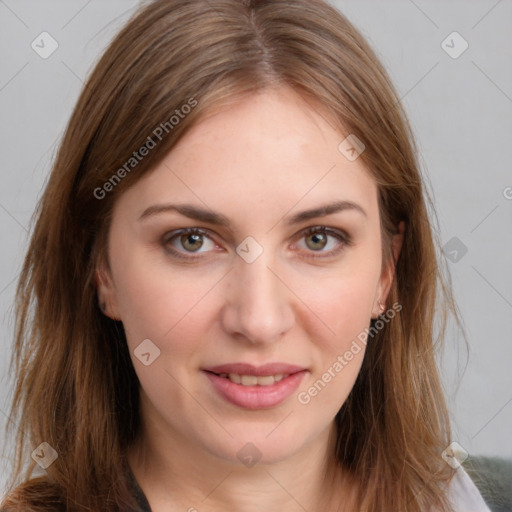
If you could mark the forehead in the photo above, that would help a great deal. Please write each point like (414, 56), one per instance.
(258, 158)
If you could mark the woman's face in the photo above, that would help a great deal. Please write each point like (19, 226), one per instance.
(253, 286)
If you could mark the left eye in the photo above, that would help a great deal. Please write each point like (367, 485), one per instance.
(317, 239)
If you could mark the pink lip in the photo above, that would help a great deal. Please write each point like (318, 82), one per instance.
(249, 369)
(255, 397)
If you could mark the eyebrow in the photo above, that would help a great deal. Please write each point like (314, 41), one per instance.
(204, 215)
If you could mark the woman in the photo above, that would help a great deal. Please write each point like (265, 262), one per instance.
(228, 298)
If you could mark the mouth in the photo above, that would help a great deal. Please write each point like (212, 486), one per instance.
(255, 388)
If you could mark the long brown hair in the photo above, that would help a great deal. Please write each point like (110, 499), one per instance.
(75, 386)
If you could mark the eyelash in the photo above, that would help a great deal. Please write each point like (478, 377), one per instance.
(343, 237)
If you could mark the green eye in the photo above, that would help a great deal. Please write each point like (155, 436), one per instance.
(190, 241)
(317, 239)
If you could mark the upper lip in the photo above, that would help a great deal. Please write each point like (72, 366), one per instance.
(249, 369)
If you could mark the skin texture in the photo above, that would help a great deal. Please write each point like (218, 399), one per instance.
(257, 162)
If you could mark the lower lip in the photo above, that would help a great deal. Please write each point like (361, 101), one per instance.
(256, 397)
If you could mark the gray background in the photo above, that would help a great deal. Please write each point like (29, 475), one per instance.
(461, 112)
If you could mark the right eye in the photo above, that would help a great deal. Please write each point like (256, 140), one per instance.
(189, 240)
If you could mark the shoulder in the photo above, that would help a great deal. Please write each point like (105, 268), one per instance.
(464, 495)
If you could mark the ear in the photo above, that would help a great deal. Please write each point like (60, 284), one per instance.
(388, 273)
(106, 292)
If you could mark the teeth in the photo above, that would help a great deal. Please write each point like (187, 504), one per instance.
(233, 377)
(253, 380)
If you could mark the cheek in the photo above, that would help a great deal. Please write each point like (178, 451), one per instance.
(348, 305)
(158, 304)
(337, 322)
(343, 314)
(341, 303)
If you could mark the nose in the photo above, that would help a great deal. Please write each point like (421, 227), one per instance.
(258, 305)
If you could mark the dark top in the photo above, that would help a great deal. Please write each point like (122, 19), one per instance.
(142, 502)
